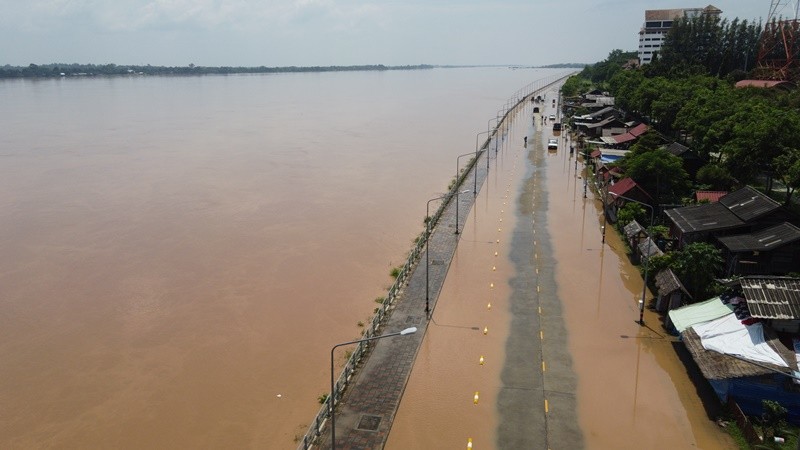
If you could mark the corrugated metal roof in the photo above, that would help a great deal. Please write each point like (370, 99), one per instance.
(632, 134)
(632, 229)
(639, 130)
(622, 186)
(677, 149)
(601, 112)
(732, 210)
(648, 248)
(706, 217)
(748, 203)
(772, 297)
(711, 196)
(763, 83)
(667, 282)
(602, 123)
(762, 240)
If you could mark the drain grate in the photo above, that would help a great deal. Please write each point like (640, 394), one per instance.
(437, 262)
(369, 423)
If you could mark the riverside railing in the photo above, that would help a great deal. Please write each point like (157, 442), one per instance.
(315, 428)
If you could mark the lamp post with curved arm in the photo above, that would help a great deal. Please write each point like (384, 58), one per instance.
(463, 192)
(646, 267)
(489, 137)
(475, 188)
(428, 252)
(332, 399)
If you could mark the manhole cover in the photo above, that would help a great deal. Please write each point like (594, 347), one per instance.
(369, 423)
(413, 320)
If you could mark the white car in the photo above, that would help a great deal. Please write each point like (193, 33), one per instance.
(552, 144)
(552, 117)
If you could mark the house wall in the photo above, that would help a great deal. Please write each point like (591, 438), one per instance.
(748, 392)
(780, 261)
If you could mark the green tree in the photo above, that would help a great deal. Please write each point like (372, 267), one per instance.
(603, 71)
(715, 177)
(760, 131)
(707, 44)
(697, 265)
(631, 211)
(787, 168)
(574, 86)
(647, 142)
(660, 173)
(773, 418)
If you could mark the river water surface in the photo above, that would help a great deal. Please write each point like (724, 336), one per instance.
(178, 255)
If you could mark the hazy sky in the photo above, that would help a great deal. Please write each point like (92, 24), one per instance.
(329, 32)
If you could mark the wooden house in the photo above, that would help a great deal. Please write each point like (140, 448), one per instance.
(741, 211)
(671, 292)
(769, 251)
(691, 160)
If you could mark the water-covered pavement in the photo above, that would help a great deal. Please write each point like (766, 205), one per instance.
(564, 364)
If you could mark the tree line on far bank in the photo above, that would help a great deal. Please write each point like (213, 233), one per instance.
(57, 70)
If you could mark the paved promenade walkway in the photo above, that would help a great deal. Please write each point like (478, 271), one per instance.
(364, 415)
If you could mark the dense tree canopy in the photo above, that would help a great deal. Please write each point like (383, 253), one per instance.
(742, 130)
(661, 174)
(707, 45)
(698, 264)
(604, 70)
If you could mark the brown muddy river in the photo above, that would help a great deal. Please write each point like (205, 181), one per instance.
(178, 255)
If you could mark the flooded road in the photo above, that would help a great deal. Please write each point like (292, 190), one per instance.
(633, 390)
(462, 352)
(625, 383)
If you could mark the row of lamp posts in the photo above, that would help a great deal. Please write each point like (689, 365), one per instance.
(408, 331)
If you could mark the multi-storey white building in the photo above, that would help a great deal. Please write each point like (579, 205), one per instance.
(657, 23)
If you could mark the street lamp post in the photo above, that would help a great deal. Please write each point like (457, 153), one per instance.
(495, 140)
(332, 399)
(463, 192)
(475, 188)
(428, 252)
(489, 122)
(646, 267)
